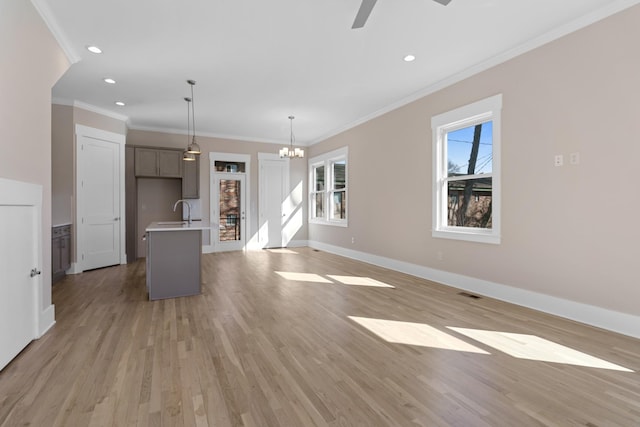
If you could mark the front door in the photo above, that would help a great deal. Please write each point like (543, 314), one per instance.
(99, 201)
(230, 208)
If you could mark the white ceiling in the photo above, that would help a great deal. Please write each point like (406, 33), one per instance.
(257, 62)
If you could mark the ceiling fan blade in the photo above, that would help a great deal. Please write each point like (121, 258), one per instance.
(363, 13)
(443, 2)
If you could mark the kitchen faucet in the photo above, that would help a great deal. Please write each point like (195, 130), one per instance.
(188, 209)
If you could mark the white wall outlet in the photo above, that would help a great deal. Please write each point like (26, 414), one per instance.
(574, 158)
(353, 240)
(439, 256)
(558, 160)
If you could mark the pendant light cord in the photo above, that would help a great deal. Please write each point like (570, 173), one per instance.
(193, 113)
(188, 120)
(291, 127)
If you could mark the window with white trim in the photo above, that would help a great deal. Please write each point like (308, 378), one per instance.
(328, 188)
(466, 172)
(317, 191)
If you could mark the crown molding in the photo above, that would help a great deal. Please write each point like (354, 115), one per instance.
(47, 16)
(239, 138)
(92, 108)
(571, 27)
(102, 111)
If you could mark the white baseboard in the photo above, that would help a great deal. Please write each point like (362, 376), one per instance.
(46, 320)
(298, 244)
(74, 269)
(615, 321)
(208, 249)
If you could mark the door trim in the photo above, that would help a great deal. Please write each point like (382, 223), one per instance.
(213, 196)
(78, 233)
(233, 245)
(262, 239)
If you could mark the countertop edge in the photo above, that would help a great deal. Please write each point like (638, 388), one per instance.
(159, 226)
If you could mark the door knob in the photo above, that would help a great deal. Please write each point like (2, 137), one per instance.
(35, 272)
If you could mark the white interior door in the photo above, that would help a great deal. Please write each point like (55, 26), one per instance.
(19, 247)
(274, 184)
(230, 210)
(100, 200)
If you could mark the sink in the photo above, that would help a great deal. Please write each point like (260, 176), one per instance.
(172, 222)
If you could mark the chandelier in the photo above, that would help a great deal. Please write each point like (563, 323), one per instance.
(290, 151)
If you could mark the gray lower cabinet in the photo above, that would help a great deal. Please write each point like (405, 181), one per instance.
(60, 251)
(154, 162)
(173, 263)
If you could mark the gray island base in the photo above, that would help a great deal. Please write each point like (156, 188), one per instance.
(173, 265)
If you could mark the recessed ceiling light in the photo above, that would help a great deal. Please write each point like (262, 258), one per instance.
(409, 58)
(120, 103)
(94, 49)
(110, 81)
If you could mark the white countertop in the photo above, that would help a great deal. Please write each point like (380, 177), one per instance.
(178, 226)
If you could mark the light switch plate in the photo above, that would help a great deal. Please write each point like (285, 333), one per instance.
(574, 158)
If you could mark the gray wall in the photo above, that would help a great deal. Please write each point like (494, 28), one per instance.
(63, 160)
(297, 177)
(156, 197)
(32, 62)
(567, 231)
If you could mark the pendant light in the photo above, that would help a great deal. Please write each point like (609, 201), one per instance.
(193, 148)
(186, 155)
(290, 151)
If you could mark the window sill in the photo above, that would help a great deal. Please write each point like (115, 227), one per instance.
(469, 235)
(332, 223)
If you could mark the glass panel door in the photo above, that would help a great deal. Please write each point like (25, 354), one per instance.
(230, 189)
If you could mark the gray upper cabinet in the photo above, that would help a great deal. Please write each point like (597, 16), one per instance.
(146, 162)
(170, 163)
(153, 162)
(190, 179)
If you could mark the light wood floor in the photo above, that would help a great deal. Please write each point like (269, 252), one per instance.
(262, 348)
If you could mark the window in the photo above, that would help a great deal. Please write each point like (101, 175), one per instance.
(328, 188)
(466, 165)
(338, 191)
(317, 192)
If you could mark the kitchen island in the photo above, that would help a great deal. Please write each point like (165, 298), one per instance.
(174, 249)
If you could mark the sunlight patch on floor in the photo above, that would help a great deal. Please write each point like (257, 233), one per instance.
(303, 277)
(414, 334)
(282, 251)
(533, 347)
(359, 281)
